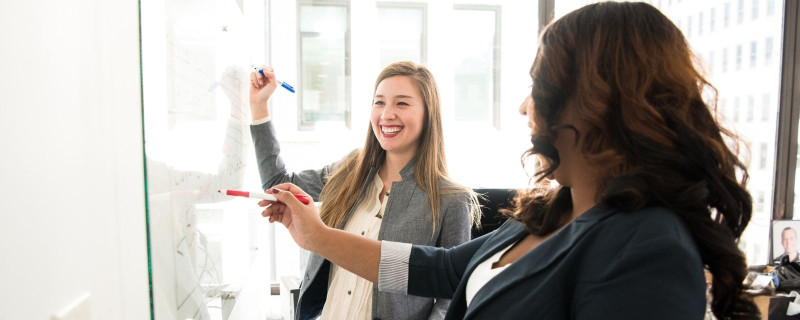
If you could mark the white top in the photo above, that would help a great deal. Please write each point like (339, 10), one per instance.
(350, 296)
(261, 121)
(483, 273)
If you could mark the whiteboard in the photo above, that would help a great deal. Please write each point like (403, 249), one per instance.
(195, 58)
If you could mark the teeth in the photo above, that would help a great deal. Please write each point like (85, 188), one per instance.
(390, 129)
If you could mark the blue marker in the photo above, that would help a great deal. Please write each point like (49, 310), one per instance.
(283, 84)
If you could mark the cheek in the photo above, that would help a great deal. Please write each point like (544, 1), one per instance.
(374, 117)
(419, 122)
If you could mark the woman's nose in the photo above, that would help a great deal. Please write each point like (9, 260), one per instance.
(523, 108)
(388, 113)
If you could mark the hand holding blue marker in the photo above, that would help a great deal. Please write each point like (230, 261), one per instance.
(283, 84)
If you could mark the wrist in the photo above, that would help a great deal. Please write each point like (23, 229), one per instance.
(320, 238)
(258, 110)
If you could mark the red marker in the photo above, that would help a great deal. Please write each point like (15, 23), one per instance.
(259, 195)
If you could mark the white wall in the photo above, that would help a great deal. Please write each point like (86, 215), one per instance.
(72, 209)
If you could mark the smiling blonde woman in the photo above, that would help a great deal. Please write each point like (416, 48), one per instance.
(395, 188)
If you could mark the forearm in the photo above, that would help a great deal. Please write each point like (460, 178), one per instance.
(258, 110)
(354, 253)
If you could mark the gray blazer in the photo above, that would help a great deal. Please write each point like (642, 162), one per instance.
(407, 218)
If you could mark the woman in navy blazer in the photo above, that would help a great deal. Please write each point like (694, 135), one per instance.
(647, 195)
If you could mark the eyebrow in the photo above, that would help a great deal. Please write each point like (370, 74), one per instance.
(396, 97)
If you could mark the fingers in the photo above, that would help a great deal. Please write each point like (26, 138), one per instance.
(274, 209)
(264, 203)
(254, 80)
(262, 76)
(286, 192)
(290, 188)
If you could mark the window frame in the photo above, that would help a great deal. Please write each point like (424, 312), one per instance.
(788, 116)
(308, 126)
(423, 6)
(496, 67)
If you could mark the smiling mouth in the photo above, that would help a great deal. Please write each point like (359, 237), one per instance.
(390, 131)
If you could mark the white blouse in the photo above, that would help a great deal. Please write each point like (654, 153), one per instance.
(350, 296)
(483, 273)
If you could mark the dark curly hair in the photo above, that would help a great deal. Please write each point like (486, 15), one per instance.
(628, 74)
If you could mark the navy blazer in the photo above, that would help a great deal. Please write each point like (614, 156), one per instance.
(605, 264)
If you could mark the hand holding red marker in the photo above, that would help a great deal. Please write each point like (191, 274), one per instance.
(260, 195)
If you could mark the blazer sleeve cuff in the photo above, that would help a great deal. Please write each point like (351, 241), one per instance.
(261, 121)
(393, 269)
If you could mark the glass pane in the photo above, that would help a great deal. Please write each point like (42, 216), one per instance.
(401, 34)
(323, 43)
(739, 82)
(194, 79)
(474, 54)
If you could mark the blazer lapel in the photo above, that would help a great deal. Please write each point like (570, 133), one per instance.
(510, 232)
(371, 175)
(538, 259)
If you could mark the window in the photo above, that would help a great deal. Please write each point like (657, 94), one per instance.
(700, 24)
(762, 159)
(770, 7)
(740, 13)
(755, 9)
(751, 108)
(765, 108)
(725, 60)
(768, 51)
(324, 61)
(402, 33)
(739, 57)
(711, 62)
(759, 207)
(689, 27)
(753, 53)
(712, 18)
(476, 55)
(727, 14)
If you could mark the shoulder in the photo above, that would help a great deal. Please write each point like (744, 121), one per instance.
(650, 238)
(650, 228)
(650, 221)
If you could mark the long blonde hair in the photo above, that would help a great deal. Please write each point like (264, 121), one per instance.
(344, 185)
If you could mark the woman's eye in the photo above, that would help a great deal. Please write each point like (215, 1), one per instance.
(379, 103)
(402, 104)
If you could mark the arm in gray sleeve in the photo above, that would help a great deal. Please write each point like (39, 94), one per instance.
(426, 271)
(455, 230)
(272, 169)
